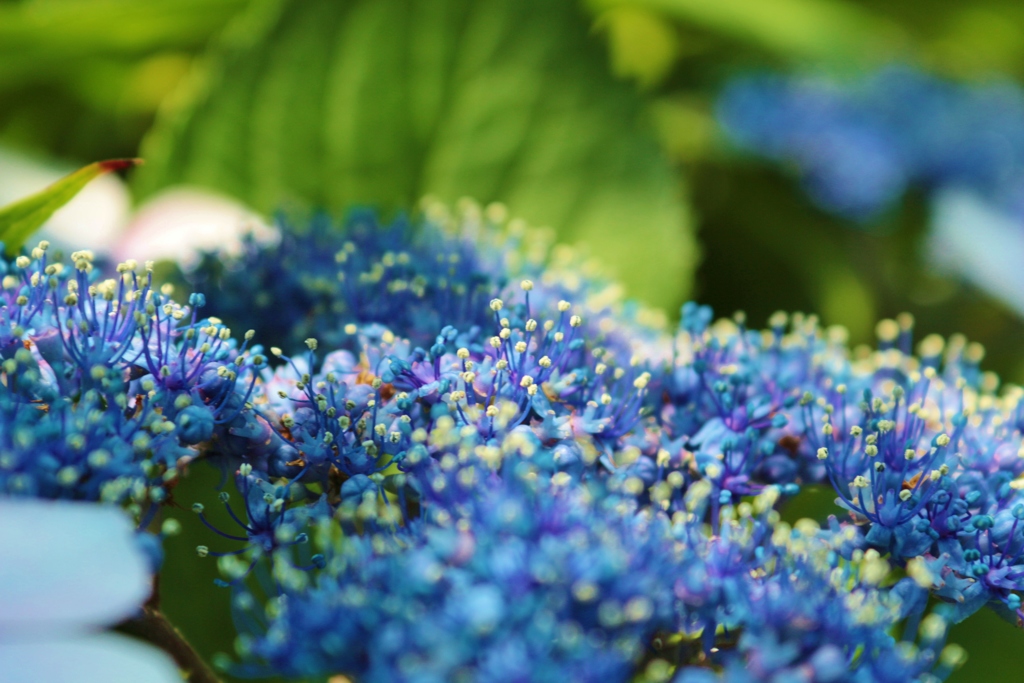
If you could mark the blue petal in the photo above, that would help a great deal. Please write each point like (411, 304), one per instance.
(67, 565)
(98, 658)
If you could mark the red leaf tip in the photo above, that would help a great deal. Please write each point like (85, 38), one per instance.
(118, 164)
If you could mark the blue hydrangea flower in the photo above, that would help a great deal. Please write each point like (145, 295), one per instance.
(789, 607)
(523, 479)
(530, 582)
(394, 445)
(109, 384)
(917, 448)
(366, 272)
(858, 144)
(415, 276)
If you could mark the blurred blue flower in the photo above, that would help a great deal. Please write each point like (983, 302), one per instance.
(414, 275)
(859, 144)
(67, 571)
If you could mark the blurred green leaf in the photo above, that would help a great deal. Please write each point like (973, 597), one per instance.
(644, 45)
(42, 34)
(830, 31)
(381, 102)
(19, 220)
(978, 39)
(83, 78)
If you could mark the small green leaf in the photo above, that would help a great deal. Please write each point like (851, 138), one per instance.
(19, 220)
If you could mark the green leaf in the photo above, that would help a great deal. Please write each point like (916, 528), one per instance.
(19, 220)
(384, 101)
(832, 31)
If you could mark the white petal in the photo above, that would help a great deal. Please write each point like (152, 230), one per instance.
(977, 241)
(97, 658)
(67, 565)
(180, 222)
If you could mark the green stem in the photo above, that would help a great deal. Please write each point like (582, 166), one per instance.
(153, 627)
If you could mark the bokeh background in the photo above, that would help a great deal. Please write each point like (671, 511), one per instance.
(600, 118)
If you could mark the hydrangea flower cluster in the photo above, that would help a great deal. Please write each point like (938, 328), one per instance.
(110, 386)
(525, 581)
(921, 452)
(481, 466)
(311, 283)
(859, 145)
